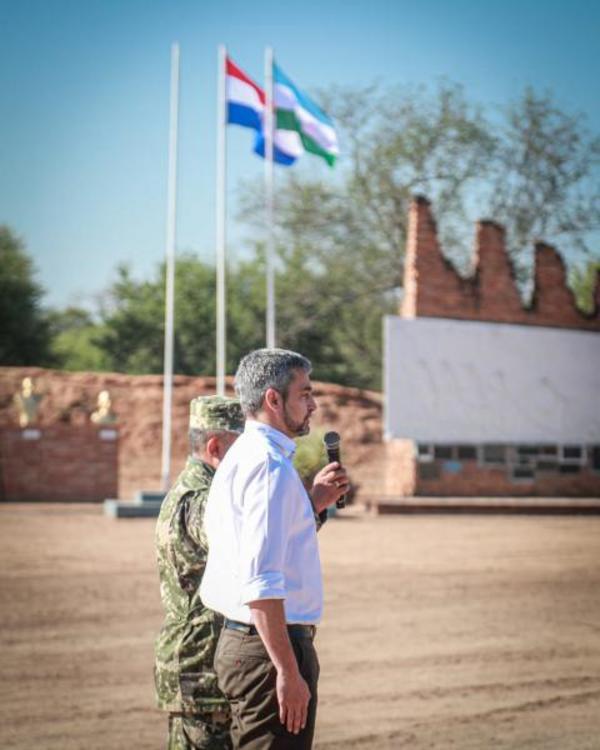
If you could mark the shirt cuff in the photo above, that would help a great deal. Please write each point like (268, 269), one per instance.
(266, 586)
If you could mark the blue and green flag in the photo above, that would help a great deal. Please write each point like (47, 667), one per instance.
(300, 124)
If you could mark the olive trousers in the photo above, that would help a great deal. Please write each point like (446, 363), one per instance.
(246, 676)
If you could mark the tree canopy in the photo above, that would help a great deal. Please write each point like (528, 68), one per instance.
(75, 340)
(25, 338)
(546, 181)
(531, 167)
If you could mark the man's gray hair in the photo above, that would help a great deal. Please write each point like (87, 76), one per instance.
(263, 369)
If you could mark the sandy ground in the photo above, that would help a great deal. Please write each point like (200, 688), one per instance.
(457, 632)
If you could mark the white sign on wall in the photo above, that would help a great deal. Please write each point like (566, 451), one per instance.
(474, 382)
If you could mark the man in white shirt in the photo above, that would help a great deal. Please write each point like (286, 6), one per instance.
(263, 571)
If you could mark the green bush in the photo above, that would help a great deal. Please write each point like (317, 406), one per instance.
(310, 456)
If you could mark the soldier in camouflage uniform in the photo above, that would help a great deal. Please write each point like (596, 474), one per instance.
(186, 684)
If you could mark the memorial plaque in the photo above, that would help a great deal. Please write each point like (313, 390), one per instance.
(31, 434)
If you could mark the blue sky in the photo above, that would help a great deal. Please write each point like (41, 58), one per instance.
(84, 104)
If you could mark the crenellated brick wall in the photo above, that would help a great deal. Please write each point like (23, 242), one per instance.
(433, 288)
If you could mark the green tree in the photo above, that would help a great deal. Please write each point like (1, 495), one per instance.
(246, 308)
(75, 337)
(25, 336)
(584, 282)
(132, 335)
(546, 180)
(132, 325)
(195, 317)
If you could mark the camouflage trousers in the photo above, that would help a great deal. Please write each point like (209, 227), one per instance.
(208, 731)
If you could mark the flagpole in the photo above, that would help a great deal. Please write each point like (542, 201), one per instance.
(269, 130)
(170, 269)
(221, 226)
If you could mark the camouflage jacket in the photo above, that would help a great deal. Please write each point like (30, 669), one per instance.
(184, 649)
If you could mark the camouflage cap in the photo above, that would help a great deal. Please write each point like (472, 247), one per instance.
(216, 413)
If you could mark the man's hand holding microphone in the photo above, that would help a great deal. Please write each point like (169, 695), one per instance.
(331, 483)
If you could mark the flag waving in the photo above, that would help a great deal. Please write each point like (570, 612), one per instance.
(246, 107)
(290, 125)
(299, 115)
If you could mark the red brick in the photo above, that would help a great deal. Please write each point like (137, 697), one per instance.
(433, 288)
(67, 463)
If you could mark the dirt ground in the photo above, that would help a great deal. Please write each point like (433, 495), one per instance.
(440, 632)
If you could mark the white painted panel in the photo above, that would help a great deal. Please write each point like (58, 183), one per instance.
(462, 381)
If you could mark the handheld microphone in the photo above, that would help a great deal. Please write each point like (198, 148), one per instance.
(332, 446)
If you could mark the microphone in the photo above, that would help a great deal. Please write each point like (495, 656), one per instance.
(332, 446)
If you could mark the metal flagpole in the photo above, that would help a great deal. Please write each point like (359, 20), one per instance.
(170, 270)
(269, 130)
(221, 214)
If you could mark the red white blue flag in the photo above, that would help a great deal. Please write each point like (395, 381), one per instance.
(246, 107)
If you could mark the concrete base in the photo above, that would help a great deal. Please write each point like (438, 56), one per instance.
(144, 505)
(144, 496)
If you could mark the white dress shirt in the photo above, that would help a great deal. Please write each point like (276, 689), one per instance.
(261, 531)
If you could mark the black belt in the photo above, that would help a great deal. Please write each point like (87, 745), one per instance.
(295, 631)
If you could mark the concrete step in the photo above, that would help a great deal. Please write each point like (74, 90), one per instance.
(143, 496)
(132, 509)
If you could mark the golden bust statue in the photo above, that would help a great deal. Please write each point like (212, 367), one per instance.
(27, 402)
(104, 413)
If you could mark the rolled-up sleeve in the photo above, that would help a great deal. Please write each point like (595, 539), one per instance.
(264, 533)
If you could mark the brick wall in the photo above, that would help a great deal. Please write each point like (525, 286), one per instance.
(401, 468)
(407, 476)
(432, 287)
(69, 398)
(480, 481)
(484, 481)
(59, 463)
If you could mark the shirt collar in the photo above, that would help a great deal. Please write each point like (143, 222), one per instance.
(283, 442)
